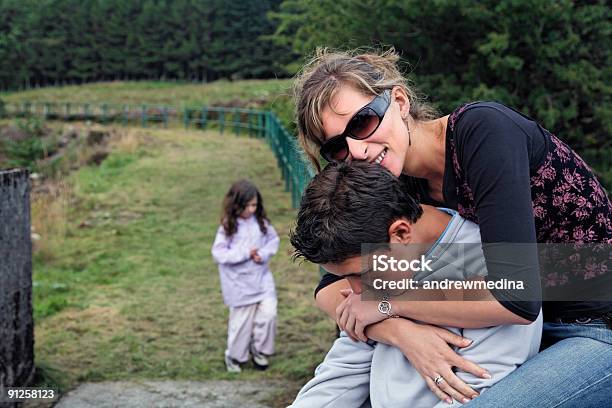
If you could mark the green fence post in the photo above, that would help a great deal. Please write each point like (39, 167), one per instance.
(126, 115)
(104, 113)
(143, 116)
(86, 111)
(67, 110)
(203, 118)
(221, 120)
(165, 116)
(236, 117)
(250, 123)
(186, 115)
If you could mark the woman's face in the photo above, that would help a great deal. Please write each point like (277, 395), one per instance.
(389, 141)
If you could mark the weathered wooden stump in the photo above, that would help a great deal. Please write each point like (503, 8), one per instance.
(16, 321)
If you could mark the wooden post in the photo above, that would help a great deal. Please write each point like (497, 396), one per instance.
(16, 321)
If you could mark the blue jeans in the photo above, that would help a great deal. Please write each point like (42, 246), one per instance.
(575, 370)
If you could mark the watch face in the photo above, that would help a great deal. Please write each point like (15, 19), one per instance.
(384, 307)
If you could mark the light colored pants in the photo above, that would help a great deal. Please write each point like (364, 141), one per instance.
(355, 374)
(251, 328)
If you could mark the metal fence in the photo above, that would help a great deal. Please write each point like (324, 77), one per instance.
(294, 167)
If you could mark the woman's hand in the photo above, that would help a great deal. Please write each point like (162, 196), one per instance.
(427, 348)
(353, 315)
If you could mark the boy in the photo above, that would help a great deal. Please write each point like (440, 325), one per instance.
(347, 205)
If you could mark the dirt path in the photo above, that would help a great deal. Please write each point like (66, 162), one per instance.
(206, 394)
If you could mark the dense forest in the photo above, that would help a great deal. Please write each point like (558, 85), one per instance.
(548, 58)
(55, 42)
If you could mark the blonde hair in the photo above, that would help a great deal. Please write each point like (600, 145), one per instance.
(321, 77)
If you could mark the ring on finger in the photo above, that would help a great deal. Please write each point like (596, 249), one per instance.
(439, 379)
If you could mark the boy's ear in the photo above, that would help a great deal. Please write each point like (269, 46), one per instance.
(400, 232)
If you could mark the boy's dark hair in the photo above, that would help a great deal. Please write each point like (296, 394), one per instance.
(347, 205)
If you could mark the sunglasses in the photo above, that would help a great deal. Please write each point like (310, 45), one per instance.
(361, 126)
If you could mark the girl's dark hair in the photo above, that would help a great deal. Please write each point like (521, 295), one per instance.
(236, 199)
(347, 205)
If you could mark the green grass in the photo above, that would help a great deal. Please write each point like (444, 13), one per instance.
(132, 292)
(271, 94)
(254, 92)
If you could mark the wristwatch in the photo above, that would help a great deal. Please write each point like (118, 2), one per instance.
(384, 307)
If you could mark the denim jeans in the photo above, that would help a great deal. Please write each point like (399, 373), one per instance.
(574, 369)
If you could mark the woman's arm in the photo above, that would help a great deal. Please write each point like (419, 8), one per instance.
(354, 315)
(425, 346)
(467, 309)
(463, 314)
(494, 149)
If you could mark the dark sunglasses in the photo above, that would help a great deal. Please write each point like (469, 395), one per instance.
(361, 126)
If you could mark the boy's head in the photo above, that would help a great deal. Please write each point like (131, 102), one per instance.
(347, 205)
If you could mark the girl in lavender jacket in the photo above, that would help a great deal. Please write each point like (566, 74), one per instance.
(244, 244)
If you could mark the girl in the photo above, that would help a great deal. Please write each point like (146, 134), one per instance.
(244, 244)
(498, 168)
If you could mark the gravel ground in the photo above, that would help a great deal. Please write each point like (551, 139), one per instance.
(166, 394)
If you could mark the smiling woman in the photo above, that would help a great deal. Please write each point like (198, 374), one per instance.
(325, 108)
(496, 167)
(361, 126)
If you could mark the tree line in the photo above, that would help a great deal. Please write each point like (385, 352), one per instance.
(55, 42)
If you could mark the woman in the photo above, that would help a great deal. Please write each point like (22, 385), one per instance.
(498, 168)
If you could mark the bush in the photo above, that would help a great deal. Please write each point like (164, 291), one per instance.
(24, 153)
(24, 144)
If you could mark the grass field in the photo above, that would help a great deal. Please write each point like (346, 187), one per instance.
(170, 93)
(130, 290)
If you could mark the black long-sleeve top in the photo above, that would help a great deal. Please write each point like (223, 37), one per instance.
(521, 185)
